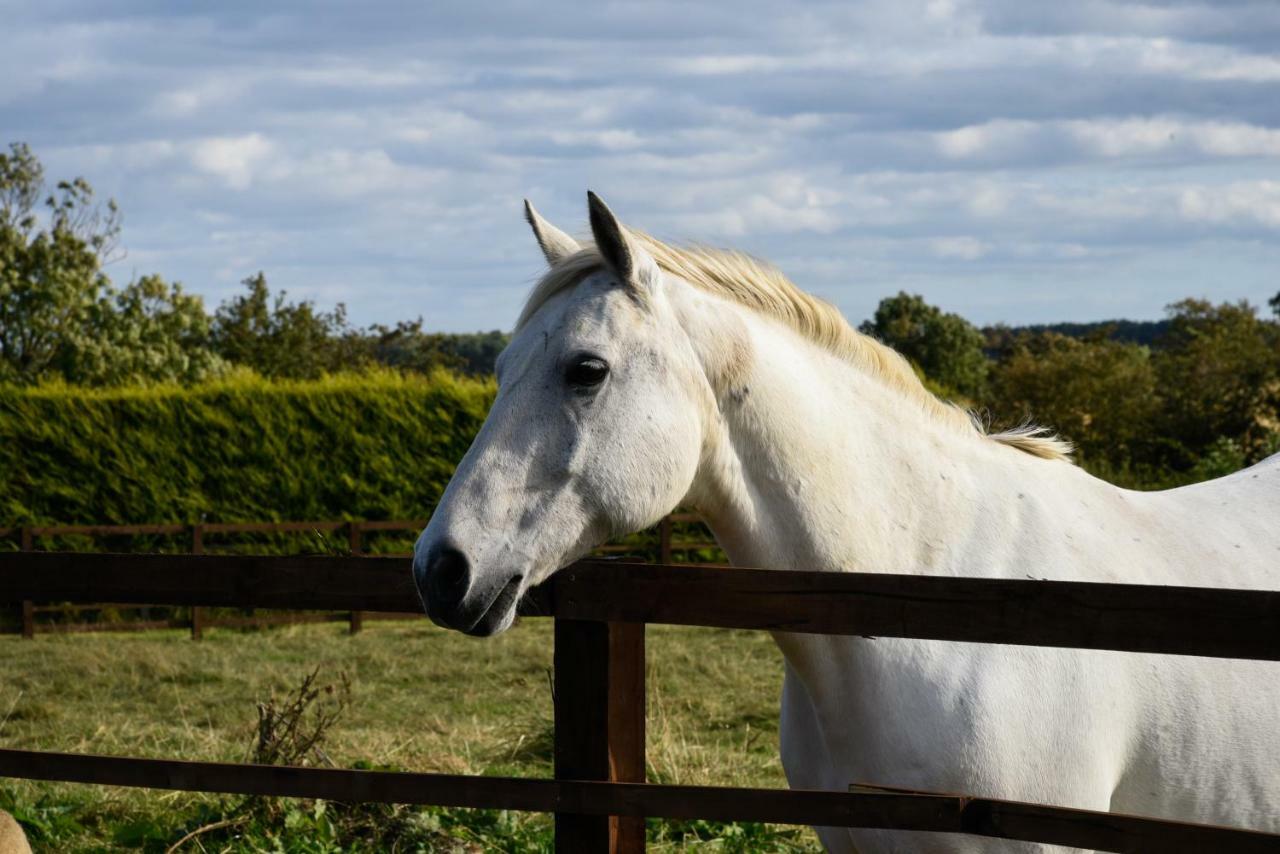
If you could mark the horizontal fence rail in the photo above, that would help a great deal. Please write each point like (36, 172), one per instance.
(355, 530)
(869, 808)
(310, 583)
(1126, 617)
(178, 529)
(197, 621)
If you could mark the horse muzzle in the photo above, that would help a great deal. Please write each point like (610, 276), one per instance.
(456, 597)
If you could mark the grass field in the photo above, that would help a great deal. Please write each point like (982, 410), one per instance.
(420, 699)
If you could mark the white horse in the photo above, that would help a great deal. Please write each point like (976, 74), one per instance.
(643, 376)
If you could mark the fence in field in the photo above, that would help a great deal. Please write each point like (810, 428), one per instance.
(599, 794)
(666, 545)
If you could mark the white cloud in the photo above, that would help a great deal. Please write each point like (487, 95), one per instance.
(1238, 140)
(1206, 62)
(1109, 138)
(989, 139)
(190, 98)
(960, 248)
(1149, 135)
(620, 139)
(989, 200)
(1018, 141)
(350, 173)
(231, 158)
(1249, 202)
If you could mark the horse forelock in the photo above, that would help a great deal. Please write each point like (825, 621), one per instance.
(762, 287)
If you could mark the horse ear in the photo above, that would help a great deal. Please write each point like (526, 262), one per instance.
(555, 244)
(620, 251)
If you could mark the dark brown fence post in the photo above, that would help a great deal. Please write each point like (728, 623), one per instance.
(627, 726)
(664, 540)
(599, 726)
(197, 613)
(28, 607)
(355, 545)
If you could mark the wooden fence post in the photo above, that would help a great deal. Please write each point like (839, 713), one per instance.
(599, 726)
(197, 613)
(353, 541)
(664, 540)
(25, 543)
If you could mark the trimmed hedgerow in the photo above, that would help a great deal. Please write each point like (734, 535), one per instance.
(361, 446)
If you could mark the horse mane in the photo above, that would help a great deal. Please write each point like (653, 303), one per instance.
(760, 286)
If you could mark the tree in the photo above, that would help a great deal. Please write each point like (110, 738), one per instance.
(476, 351)
(147, 331)
(1274, 302)
(406, 347)
(50, 277)
(278, 338)
(946, 347)
(60, 316)
(281, 339)
(1219, 370)
(1099, 393)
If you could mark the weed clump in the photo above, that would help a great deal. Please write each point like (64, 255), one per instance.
(292, 731)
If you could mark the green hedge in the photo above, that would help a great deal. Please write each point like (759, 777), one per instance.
(361, 446)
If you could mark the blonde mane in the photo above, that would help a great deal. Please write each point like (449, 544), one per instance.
(761, 286)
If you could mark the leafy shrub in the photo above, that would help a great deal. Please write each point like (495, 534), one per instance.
(378, 445)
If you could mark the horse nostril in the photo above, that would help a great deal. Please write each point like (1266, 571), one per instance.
(448, 574)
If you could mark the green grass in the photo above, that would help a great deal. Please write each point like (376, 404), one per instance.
(421, 699)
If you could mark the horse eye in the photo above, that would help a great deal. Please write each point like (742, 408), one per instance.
(586, 373)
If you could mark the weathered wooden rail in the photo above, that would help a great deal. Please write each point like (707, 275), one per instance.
(28, 535)
(356, 531)
(599, 795)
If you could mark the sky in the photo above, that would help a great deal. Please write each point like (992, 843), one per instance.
(1010, 161)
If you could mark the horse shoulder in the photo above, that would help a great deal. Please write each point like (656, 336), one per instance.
(966, 717)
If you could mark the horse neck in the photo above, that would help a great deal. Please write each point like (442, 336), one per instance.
(813, 464)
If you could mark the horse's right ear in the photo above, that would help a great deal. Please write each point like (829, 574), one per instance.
(620, 251)
(555, 244)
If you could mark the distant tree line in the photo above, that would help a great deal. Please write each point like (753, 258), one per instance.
(1146, 403)
(1146, 332)
(1190, 397)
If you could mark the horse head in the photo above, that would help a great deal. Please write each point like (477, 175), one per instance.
(597, 430)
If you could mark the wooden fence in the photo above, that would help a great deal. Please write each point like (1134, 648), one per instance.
(198, 620)
(598, 794)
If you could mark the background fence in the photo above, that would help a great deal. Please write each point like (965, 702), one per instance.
(598, 794)
(680, 534)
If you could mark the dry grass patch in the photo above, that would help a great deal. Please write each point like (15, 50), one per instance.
(420, 699)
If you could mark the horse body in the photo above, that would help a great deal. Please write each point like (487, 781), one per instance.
(635, 384)
(1155, 735)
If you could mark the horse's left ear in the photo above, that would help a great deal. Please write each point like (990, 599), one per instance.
(555, 244)
(621, 252)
